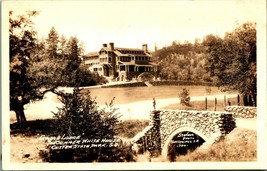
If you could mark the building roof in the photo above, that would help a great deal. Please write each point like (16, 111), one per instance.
(117, 51)
(91, 54)
(130, 49)
(120, 48)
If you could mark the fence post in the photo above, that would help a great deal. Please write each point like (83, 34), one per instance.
(206, 103)
(215, 104)
(229, 102)
(224, 100)
(250, 100)
(238, 100)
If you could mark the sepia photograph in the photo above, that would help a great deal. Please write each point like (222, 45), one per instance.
(128, 84)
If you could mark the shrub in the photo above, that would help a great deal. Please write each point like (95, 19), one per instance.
(208, 90)
(179, 83)
(83, 77)
(146, 76)
(129, 128)
(132, 84)
(184, 96)
(80, 116)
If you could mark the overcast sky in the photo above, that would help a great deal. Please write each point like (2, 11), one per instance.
(133, 23)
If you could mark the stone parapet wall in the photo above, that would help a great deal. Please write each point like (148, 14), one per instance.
(149, 138)
(163, 123)
(242, 111)
(211, 124)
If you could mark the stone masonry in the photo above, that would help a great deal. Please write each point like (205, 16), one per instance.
(165, 124)
(242, 111)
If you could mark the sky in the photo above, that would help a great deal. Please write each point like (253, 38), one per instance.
(133, 23)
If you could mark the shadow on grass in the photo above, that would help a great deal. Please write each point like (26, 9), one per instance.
(34, 127)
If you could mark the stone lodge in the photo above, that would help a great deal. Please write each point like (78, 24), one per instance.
(120, 63)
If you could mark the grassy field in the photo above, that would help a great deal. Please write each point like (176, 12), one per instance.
(200, 105)
(129, 128)
(239, 145)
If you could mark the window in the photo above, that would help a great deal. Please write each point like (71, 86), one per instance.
(122, 68)
(109, 59)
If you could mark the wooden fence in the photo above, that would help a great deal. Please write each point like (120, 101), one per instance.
(239, 100)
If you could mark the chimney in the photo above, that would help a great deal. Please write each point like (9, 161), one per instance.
(105, 45)
(111, 46)
(145, 48)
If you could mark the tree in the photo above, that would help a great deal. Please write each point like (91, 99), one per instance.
(241, 45)
(232, 60)
(22, 41)
(80, 116)
(32, 73)
(52, 44)
(39, 66)
(62, 48)
(73, 54)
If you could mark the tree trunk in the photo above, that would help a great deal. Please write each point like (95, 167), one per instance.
(250, 100)
(254, 100)
(245, 100)
(20, 115)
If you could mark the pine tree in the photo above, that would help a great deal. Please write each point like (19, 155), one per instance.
(52, 44)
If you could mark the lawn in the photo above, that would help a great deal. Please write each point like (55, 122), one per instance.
(200, 105)
(239, 145)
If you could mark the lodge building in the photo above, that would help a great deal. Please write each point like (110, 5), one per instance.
(120, 63)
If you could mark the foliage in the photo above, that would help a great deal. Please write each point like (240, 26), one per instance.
(79, 111)
(39, 66)
(179, 83)
(183, 62)
(80, 116)
(184, 97)
(22, 42)
(67, 54)
(131, 84)
(129, 128)
(227, 62)
(146, 76)
(232, 60)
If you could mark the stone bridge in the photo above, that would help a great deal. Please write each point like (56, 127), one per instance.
(182, 127)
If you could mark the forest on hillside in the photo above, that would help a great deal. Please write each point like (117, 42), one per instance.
(226, 62)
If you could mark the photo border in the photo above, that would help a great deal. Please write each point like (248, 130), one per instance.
(261, 119)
